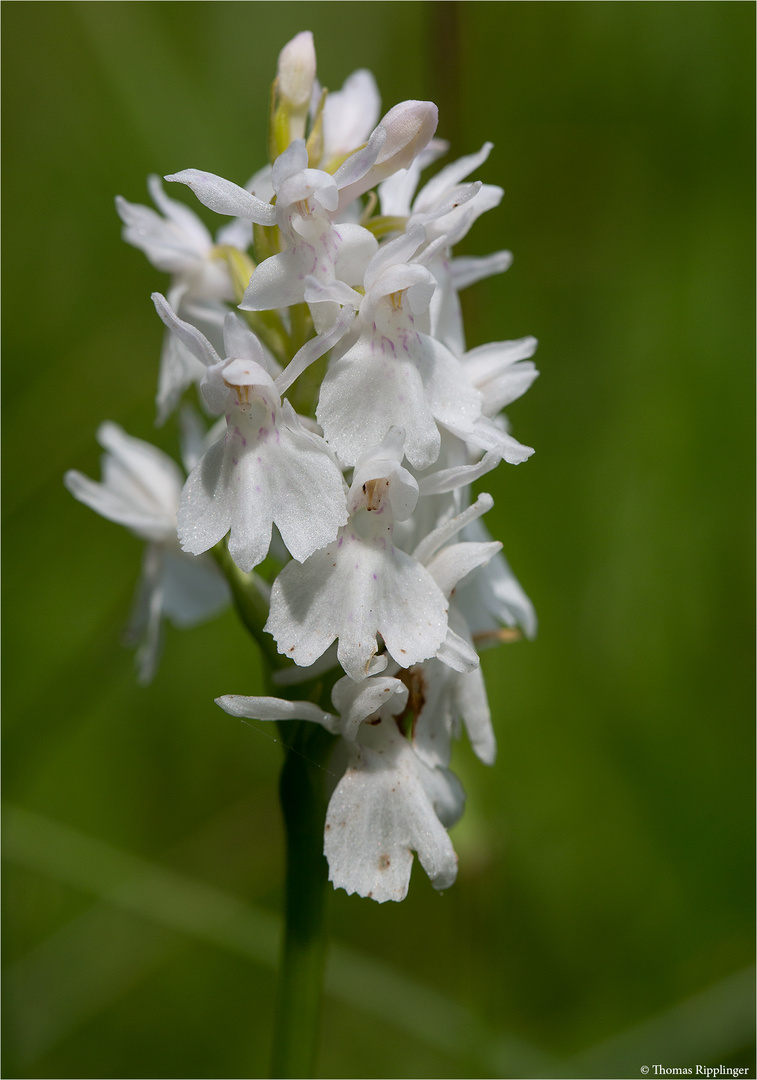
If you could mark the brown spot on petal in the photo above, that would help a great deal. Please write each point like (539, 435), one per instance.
(383, 862)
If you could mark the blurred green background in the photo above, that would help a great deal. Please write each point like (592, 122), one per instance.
(602, 919)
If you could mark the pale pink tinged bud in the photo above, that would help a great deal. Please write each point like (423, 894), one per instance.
(409, 128)
(296, 70)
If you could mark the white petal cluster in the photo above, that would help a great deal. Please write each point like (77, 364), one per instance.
(323, 329)
(141, 488)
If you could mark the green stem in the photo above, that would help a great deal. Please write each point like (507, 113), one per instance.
(302, 326)
(249, 594)
(303, 800)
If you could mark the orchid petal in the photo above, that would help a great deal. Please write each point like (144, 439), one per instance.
(444, 480)
(352, 590)
(500, 371)
(378, 815)
(145, 623)
(457, 653)
(180, 215)
(350, 114)
(445, 792)
(166, 246)
(113, 506)
(431, 543)
(495, 597)
(468, 270)
(224, 197)
(471, 701)
(398, 250)
(187, 334)
(449, 177)
(274, 283)
(312, 350)
(267, 470)
(350, 176)
(335, 292)
(355, 702)
(273, 708)
(369, 390)
(452, 564)
(193, 589)
(240, 342)
(487, 435)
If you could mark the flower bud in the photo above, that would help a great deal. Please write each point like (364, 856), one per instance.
(293, 90)
(409, 127)
(296, 71)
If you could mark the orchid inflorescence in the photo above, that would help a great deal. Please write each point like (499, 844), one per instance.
(334, 283)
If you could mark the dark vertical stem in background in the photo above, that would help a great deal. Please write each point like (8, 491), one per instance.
(447, 22)
(445, 77)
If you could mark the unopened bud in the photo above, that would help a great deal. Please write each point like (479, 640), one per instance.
(292, 92)
(296, 71)
(408, 127)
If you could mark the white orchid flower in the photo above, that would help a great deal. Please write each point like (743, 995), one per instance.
(388, 803)
(266, 470)
(393, 373)
(140, 489)
(177, 242)
(361, 585)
